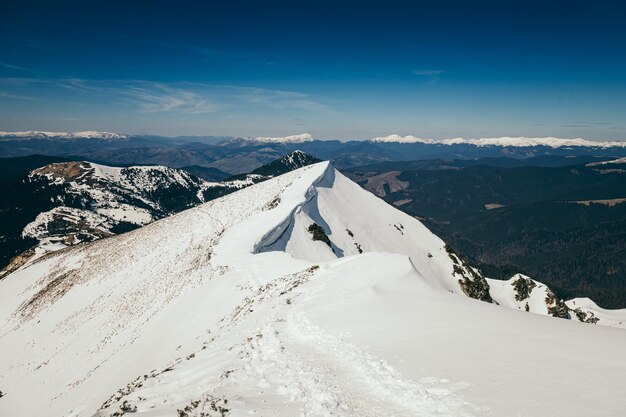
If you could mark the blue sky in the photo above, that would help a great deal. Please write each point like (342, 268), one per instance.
(349, 70)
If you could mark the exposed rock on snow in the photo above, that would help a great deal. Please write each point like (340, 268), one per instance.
(471, 281)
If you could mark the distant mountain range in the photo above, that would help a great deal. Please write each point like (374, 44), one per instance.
(305, 137)
(34, 134)
(241, 155)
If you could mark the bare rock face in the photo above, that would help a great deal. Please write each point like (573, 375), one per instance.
(66, 171)
(523, 288)
(556, 306)
(472, 282)
(585, 317)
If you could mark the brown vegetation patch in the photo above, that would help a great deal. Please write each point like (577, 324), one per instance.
(65, 170)
(17, 262)
(401, 202)
(608, 202)
(376, 183)
(56, 288)
(491, 206)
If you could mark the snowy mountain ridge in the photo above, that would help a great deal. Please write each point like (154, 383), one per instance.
(519, 142)
(304, 137)
(89, 134)
(301, 295)
(90, 201)
(75, 202)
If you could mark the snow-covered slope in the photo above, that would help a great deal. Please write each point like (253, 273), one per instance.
(89, 134)
(588, 311)
(232, 308)
(68, 203)
(519, 142)
(357, 222)
(92, 200)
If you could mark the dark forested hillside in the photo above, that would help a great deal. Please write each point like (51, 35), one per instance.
(563, 225)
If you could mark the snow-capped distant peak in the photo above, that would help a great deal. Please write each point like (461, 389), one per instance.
(88, 134)
(551, 142)
(506, 141)
(402, 139)
(304, 137)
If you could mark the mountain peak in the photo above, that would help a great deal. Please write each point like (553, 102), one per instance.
(298, 159)
(288, 162)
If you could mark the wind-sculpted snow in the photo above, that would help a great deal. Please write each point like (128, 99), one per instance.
(231, 308)
(357, 222)
(276, 359)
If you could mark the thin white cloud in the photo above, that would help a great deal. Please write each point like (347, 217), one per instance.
(280, 99)
(192, 98)
(16, 96)
(154, 98)
(147, 96)
(15, 67)
(174, 97)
